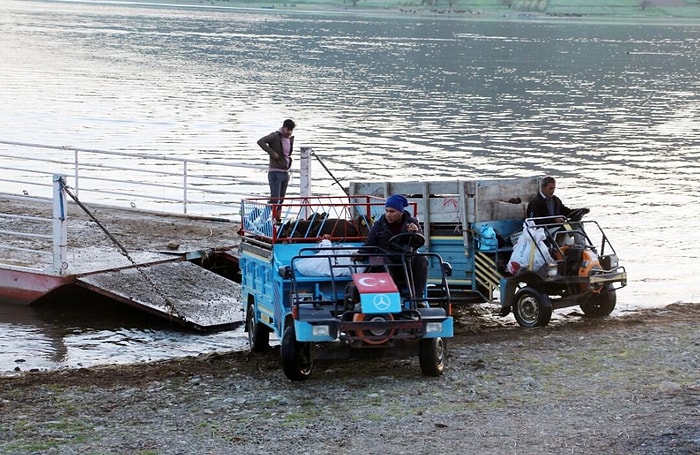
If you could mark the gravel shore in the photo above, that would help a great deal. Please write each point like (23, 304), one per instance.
(627, 385)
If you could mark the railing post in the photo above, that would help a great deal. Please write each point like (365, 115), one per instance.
(76, 174)
(305, 170)
(60, 242)
(184, 188)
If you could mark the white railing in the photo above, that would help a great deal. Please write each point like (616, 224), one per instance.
(144, 182)
(54, 245)
(149, 182)
(28, 238)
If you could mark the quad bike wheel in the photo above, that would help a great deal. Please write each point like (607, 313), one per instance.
(296, 356)
(431, 354)
(601, 304)
(258, 333)
(532, 308)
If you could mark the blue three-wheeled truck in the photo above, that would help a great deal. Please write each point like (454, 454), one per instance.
(302, 281)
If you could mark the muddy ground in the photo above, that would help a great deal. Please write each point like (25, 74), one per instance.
(623, 385)
(626, 385)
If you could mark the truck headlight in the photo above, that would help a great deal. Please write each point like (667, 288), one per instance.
(320, 331)
(609, 262)
(433, 327)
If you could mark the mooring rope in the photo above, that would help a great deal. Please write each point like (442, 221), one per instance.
(330, 173)
(121, 247)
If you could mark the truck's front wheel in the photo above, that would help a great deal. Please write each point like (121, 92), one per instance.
(600, 305)
(258, 333)
(532, 308)
(431, 353)
(296, 356)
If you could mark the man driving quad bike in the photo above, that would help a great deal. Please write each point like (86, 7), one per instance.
(398, 231)
(548, 208)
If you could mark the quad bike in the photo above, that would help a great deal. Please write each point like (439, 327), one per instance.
(579, 267)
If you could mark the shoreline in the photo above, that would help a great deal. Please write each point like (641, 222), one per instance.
(493, 11)
(615, 386)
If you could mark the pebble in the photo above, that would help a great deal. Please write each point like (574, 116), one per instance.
(670, 387)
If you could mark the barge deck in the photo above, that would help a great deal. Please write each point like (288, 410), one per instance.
(171, 267)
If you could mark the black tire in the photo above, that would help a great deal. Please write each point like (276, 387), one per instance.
(532, 308)
(296, 356)
(258, 333)
(431, 353)
(600, 305)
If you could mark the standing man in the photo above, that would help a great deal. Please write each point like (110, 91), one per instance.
(548, 206)
(278, 145)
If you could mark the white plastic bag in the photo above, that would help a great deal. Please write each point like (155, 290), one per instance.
(530, 252)
(320, 264)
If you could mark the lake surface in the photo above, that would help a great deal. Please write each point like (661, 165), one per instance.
(612, 111)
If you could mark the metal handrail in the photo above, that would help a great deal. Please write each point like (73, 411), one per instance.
(153, 182)
(11, 236)
(175, 185)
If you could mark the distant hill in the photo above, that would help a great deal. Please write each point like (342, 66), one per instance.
(687, 9)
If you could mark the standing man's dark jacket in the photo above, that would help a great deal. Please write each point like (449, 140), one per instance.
(273, 143)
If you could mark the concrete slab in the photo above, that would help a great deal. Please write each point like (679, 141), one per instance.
(180, 291)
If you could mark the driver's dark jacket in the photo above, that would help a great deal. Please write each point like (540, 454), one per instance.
(379, 236)
(381, 232)
(538, 208)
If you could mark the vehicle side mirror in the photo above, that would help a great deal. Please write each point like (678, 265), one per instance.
(285, 272)
(447, 268)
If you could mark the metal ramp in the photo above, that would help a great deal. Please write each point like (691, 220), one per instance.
(179, 291)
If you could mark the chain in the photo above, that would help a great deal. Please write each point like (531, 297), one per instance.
(172, 310)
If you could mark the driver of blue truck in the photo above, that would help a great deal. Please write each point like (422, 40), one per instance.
(397, 220)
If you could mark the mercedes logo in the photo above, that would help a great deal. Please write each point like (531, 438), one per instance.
(381, 302)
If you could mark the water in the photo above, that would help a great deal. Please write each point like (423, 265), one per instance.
(84, 330)
(612, 111)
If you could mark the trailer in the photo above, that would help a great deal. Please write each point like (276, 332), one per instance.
(302, 280)
(476, 225)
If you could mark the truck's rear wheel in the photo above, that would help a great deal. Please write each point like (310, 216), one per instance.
(600, 305)
(532, 308)
(258, 333)
(296, 356)
(431, 353)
